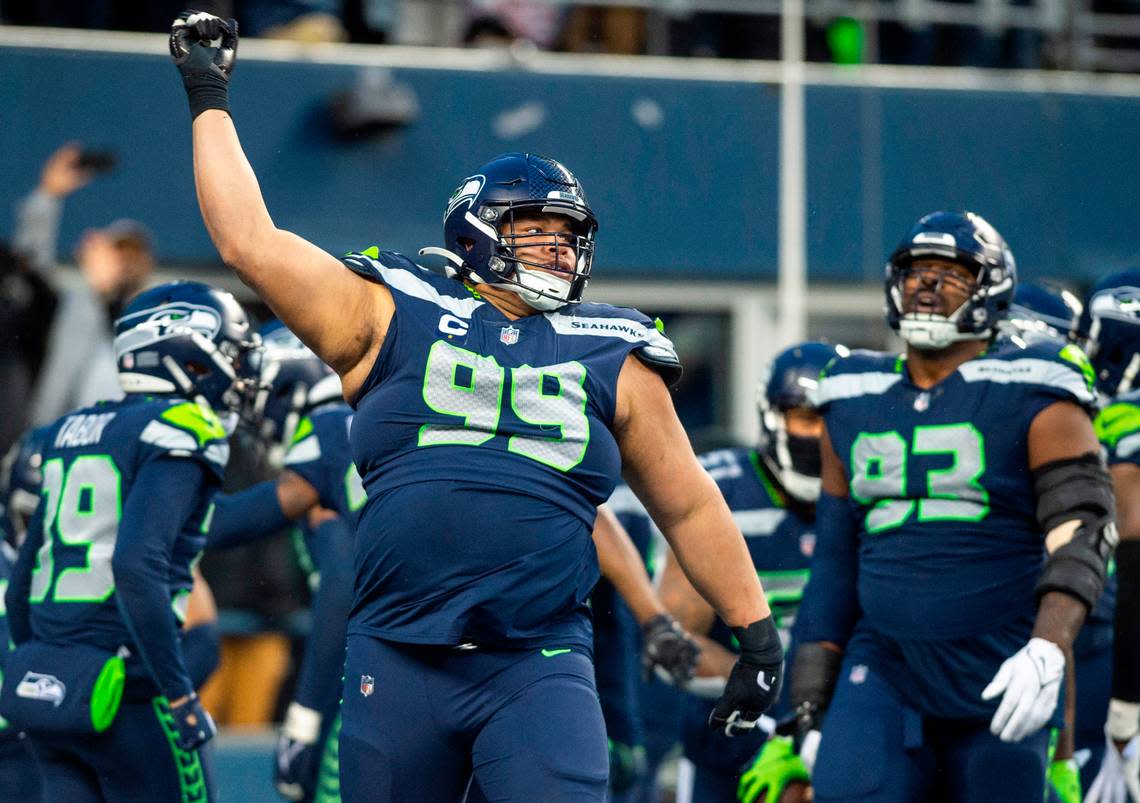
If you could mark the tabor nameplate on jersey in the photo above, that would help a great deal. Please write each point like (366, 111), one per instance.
(57, 689)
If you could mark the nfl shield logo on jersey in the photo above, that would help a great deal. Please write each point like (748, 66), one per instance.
(367, 685)
(509, 335)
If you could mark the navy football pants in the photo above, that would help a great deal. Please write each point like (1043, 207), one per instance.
(877, 749)
(133, 760)
(417, 722)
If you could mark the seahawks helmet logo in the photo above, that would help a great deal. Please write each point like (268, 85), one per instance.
(1121, 303)
(467, 192)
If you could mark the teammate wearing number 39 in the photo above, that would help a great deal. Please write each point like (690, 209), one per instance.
(494, 411)
(963, 532)
(99, 679)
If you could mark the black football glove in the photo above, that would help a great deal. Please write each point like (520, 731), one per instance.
(667, 650)
(297, 757)
(754, 683)
(813, 679)
(192, 724)
(204, 49)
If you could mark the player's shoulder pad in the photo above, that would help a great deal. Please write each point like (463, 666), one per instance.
(651, 345)
(402, 275)
(1049, 366)
(860, 373)
(181, 428)
(1117, 423)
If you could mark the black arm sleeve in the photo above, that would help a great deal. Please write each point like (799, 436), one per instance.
(1126, 644)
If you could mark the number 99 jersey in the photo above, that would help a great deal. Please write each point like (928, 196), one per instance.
(90, 460)
(485, 448)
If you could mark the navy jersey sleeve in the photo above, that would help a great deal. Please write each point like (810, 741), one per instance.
(1045, 372)
(305, 457)
(141, 564)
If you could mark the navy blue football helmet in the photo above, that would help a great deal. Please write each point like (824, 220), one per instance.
(185, 338)
(791, 380)
(291, 381)
(21, 475)
(1042, 311)
(966, 239)
(480, 239)
(1111, 321)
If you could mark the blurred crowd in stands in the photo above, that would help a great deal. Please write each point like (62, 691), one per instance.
(671, 29)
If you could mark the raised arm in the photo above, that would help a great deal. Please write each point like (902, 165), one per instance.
(340, 315)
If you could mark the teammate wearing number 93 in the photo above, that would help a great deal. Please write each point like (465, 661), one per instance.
(98, 679)
(494, 410)
(967, 515)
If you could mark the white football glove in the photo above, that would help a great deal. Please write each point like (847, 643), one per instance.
(1029, 683)
(1118, 780)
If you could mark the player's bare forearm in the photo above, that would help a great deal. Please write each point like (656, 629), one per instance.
(621, 564)
(1059, 619)
(714, 660)
(340, 315)
(681, 600)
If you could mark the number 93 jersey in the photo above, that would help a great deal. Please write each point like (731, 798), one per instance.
(90, 461)
(949, 544)
(485, 448)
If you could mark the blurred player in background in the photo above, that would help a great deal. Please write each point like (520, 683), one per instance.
(105, 570)
(964, 527)
(772, 490)
(1111, 322)
(299, 414)
(1044, 312)
(469, 633)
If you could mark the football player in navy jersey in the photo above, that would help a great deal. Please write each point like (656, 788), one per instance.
(1112, 323)
(102, 582)
(771, 490)
(493, 412)
(964, 526)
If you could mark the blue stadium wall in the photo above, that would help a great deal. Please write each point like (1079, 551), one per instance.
(682, 172)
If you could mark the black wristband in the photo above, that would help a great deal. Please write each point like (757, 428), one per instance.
(206, 91)
(760, 643)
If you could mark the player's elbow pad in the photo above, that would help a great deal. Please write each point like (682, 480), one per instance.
(1076, 510)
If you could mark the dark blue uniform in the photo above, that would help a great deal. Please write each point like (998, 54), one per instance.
(320, 454)
(19, 777)
(949, 552)
(1118, 429)
(90, 467)
(485, 449)
(780, 541)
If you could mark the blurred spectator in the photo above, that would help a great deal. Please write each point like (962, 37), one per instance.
(496, 22)
(609, 29)
(114, 263)
(27, 304)
(295, 20)
(370, 21)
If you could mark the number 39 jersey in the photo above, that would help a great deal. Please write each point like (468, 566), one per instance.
(485, 448)
(90, 461)
(949, 544)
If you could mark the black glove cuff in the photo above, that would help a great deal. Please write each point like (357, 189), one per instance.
(206, 91)
(760, 643)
